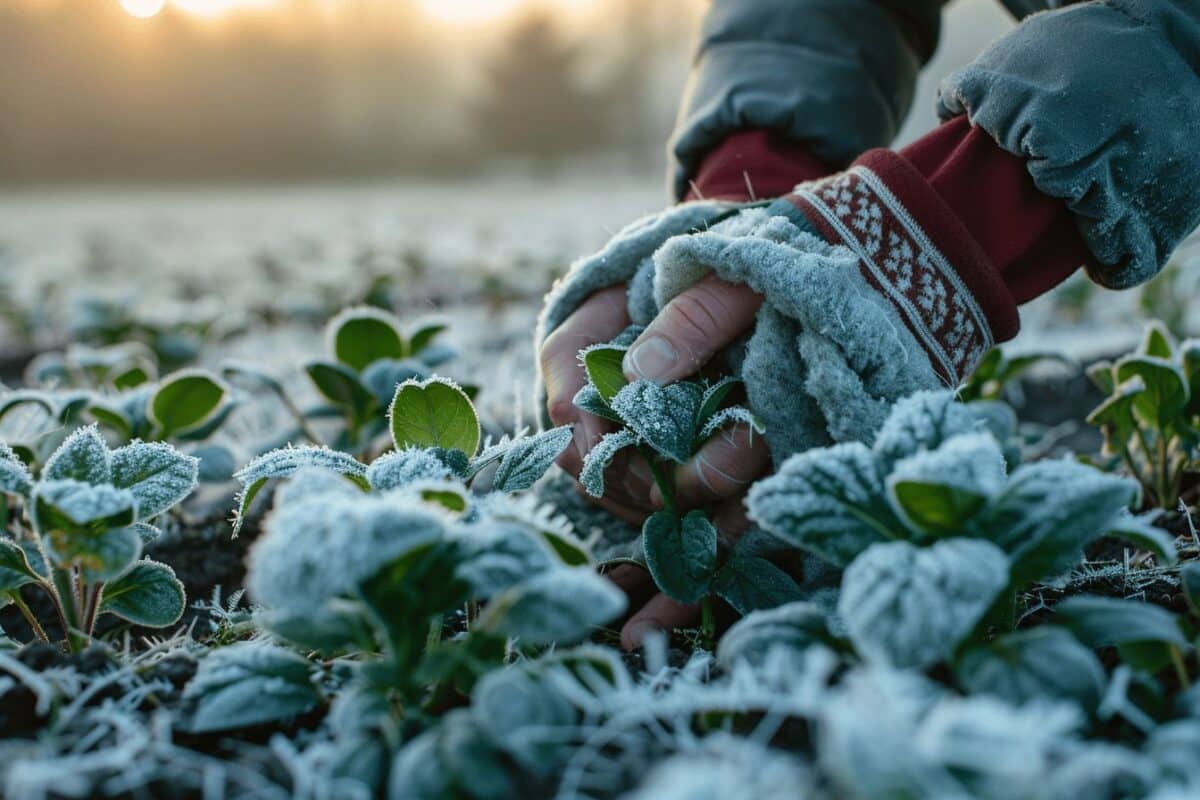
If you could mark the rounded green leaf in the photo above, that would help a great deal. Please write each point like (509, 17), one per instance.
(681, 554)
(158, 475)
(603, 366)
(361, 336)
(422, 335)
(186, 400)
(340, 385)
(149, 594)
(1166, 393)
(434, 413)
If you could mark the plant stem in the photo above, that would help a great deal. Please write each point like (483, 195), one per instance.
(662, 481)
(1180, 668)
(434, 637)
(708, 627)
(38, 630)
(68, 606)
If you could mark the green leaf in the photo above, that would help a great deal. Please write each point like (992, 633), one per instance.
(149, 594)
(1101, 375)
(360, 336)
(1146, 536)
(15, 570)
(158, 475)
(340, 385)
(1115, 414)
(829, 501)
(527, 460)
(598, 459)
(794, 627)
(15, 477)
(449, 496)
(570, 550)
(83, 456)
(131, 378)
(1189, 357)
(1166, 394)
(559, 605)
(1142, 632)
(422, 335)
(1044, 663)
(712, 399)
(1157, 342)
(681, 554)
(912, 607)
(752, 583)
(602, 363)
(101, 557)
(250, 683)
(938, 491)
(113, 419)
(664, 417)
(434, 413)
(72, 507)
(186, 400)
(588, 398)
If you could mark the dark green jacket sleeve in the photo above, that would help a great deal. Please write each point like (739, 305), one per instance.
(837, 75)
(1103, 100)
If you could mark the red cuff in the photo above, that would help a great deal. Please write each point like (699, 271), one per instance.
(1029, 237)
(754, 165)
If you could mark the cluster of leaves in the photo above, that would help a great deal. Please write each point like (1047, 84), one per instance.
(666, 426)
(996, 371)
(370, 352)
(85, 521)
(938, 538)
(1151, 418)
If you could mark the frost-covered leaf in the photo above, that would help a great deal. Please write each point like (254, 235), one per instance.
(1049, 511)
(911, 607)
(830, 501)
(83, 456)
(382, 377)
(588, 398)
(795, 626)
(663, 416)
(1144, 534)
(498, 555)
(14, 475)
(363, 335)
(416, 772)
(149, 594)
(72, 506)
(1105, 621)
(750, 583)
(249, 683)
(600, 456)
(434, 413)
(403, 467)
(528, 459)
(937, 491)
(560, 605)
(681, 554)
(157, 474)
(15, 570)
(922, 421)
(603, 365)
(714, 395)
(520, 709)
(1045, 662)
(735, 415)
(185, 401)
(286, 461)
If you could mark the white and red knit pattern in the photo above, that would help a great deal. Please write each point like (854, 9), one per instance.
(903, 263)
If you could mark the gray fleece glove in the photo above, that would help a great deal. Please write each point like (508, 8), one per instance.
(872, 290)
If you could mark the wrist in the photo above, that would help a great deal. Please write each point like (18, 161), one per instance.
(753, 165)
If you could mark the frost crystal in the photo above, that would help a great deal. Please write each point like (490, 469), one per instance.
(402, 467)
(14, 475)
(157, 474)
(527, 460)
(83, 503)
(922, 421)
(733, 414)
(663, 416)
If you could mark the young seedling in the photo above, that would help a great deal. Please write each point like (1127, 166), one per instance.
(437, 437)
(87, 518)
(370, 352)
(666, 426)
(1151, 416)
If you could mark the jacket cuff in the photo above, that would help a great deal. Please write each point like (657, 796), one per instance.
(942, 283)
(752, 165)
(1029, 236)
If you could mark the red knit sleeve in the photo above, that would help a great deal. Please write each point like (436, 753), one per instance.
(754, 165)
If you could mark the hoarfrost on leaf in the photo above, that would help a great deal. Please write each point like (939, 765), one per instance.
(662, 416)
(1045, 663)
(736, 415)
(286, 461)
(528, 459)
(911, 607)
(600, 456)
(14, 475)
(69, 504)
(402, 467)
(922, 421)
(157, 474)
(249, 683)
(560, 605)
(83, 456)
(937, 491)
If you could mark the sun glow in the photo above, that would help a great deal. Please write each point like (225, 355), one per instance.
(143, 9)
(468, 12)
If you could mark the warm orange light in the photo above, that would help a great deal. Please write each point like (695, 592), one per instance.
(468, 11)
(215, 8)
(143, 9)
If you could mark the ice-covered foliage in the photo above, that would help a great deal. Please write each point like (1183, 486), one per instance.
(87, 519)
(249, 683)
(402, 467)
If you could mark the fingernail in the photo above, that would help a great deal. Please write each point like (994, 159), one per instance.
(651, 359)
